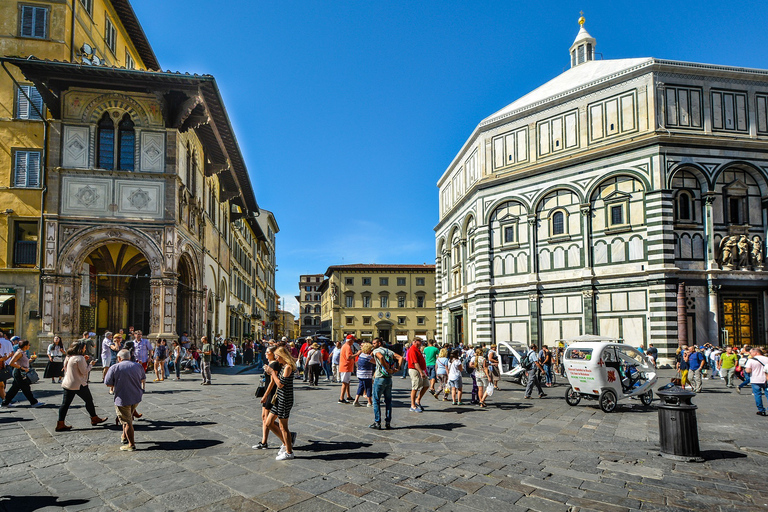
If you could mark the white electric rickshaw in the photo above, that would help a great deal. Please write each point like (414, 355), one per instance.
(603, 369)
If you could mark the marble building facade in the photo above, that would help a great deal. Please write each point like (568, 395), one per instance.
(625, 198)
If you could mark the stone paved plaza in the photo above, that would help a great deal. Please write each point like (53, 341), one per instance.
(194, 453)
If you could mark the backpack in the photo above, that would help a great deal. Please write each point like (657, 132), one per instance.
(526, 361)
(468, 369)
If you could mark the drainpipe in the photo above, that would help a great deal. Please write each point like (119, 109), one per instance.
(72, 35)
(44, 190)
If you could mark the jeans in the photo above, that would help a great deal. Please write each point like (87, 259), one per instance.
(327, 369)
(548, 373)
(206, 372)
(533, 380)
(759, 390)
(177, 367)
(69, 395)
(729, 373)
(746, 382)
(382, 385)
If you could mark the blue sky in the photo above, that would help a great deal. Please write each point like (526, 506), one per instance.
(348, 112)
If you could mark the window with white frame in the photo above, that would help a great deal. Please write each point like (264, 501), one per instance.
(384, 301)
(400, 281)
(401, 320)
(366, 301)
(349, 301)
(129, 62)
(509, 233)
(26, 169)
(557, 223)
(29, 103)
(110, 35)
(383, 281)
(419, 281)
(88, 5)
(33, 21)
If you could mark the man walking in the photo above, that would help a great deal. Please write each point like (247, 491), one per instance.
(127, 379)
(755, 367)
(142, 349)
(382, 383)
(6, 352)
(695, 367)
(417, 370)
(430, 357)
(205, 366)
(533, 373)
(346, 365)
(727, 366)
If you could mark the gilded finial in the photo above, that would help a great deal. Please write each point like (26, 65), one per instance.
(581, 18)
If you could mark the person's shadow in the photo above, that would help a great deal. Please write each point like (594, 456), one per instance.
(31, 503)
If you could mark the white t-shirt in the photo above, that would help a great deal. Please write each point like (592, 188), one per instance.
(454, 370)
(758, 370)
(6, 347)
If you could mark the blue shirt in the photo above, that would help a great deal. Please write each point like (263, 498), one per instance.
(695, 360)
(143, 348)
(126, 377)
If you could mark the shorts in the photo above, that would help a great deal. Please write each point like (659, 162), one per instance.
(456, 383)
(417, 381)
(431, 375)
(365, 387)
(482, 379)
(345, 377)
(106, 362)
(125, 413)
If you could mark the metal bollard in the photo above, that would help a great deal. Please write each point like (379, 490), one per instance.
(678, 429)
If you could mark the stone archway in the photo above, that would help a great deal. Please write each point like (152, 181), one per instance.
(63, 278)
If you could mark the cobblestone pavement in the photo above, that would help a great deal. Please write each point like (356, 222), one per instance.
(194, 453)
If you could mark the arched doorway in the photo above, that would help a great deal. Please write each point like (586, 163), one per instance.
(184, 296)
(115, 289)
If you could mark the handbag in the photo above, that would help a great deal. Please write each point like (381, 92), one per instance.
(677, 379)
(32, 376)
(262, 388)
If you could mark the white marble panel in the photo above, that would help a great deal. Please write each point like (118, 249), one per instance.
(637, 301)
(544, 260)
(522, 145)
(617, 250)
(612, 117)
(546, 306)
(86, 196)
(603, 302)
(571, 133)
(559, 258)
(74, 151)
(596, 121)
(522, 307)
(501, 331)
(551, 332)
(601, 252)
(574, 256)
(574, 304)
(636, 214)
(609, 327)
(498, 308)
(571, 328)
(509, 264)
(522, 263)
(628, 113)
(520, 332)
(632, 331)
(498, 152)
(509, 149)
(684, 244)
(498, 266)
(152, 151)
(636, 251)
(619, 301)
(560, 305)
(698, 247)
(139, 198)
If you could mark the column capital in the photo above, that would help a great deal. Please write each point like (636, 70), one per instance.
(709, 198)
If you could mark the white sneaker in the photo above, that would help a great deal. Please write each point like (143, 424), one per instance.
(38, 404)
(284, 456)
(282, 449)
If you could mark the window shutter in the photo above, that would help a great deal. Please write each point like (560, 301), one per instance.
(20, 172)
(27, 21)
(22, 105)
(33, 169)
(37, 101)
(41, 21)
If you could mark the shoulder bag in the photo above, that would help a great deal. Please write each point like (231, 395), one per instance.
(32, 376)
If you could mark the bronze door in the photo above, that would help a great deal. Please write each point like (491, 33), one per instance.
(739, 320)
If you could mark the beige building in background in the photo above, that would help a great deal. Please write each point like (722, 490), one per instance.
(392, 302)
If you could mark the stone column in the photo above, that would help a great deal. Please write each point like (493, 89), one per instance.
(533, 300)
(169, 289)
(682, 316)
(588, 302)
(586, 229)
(483, 309)
(709, 230)
(156, 312)
(533, 244)
(713, 324)
(438, 299)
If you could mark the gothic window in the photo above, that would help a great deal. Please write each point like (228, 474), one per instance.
(106, 142)
(126, 143)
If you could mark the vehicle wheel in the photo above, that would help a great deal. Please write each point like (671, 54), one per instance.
(647, 398)
(607, 400)
(524, 380)
(572, 397)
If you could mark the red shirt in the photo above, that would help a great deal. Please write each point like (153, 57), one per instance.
(415, 356)
(345, 363)
(304, 349)
(324, 353)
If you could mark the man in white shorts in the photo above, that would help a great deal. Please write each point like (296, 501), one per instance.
(346, 365)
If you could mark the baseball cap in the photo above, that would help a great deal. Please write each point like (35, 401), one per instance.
(284, 339)
(350, 336)
(15, 338)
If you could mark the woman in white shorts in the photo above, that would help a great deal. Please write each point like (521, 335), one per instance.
(454, 377)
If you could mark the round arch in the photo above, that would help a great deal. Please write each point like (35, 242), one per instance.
(700, 174)
(76, 250)
(536, 204)
(492, 208)
(111, 101)
(629, 173)
(757, 174)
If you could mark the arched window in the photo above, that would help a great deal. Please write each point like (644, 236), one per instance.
(307, 309)
(684, 210)
(126, 143)
(317, 309)
(558, 223)
(106, 143)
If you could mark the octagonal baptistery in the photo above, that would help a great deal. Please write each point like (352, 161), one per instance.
(624, 198)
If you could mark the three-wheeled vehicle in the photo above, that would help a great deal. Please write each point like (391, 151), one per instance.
(510, 354)
(605, 370)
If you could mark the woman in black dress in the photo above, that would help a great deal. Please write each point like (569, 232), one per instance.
(55, 367)
(283, 379)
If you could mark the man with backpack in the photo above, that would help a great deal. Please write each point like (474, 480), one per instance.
(533, 366)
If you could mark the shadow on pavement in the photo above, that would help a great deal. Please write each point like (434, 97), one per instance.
(328, 446)
(721, 454)
(184, 444)
(30, 503)
(11, 419)
(171, 391)
(511, 406)
(439, 426)
(150, 425)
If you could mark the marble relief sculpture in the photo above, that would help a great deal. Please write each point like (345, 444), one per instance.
(739, 252)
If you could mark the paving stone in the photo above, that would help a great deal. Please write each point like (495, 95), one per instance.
(425, 500)
(341, 498)
(541, 505)
(313, 505)
(446, 493)
(282, 498)
(377, 497)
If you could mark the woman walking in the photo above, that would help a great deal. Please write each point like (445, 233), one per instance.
(20, 364)
(76, 370)
(454, 377)
(268, 398)
(54, 368)
(314, 361)
(442, 374)
(481, 375)
(365, 367)
(161, 352)
(283, 379)
(177, 359)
